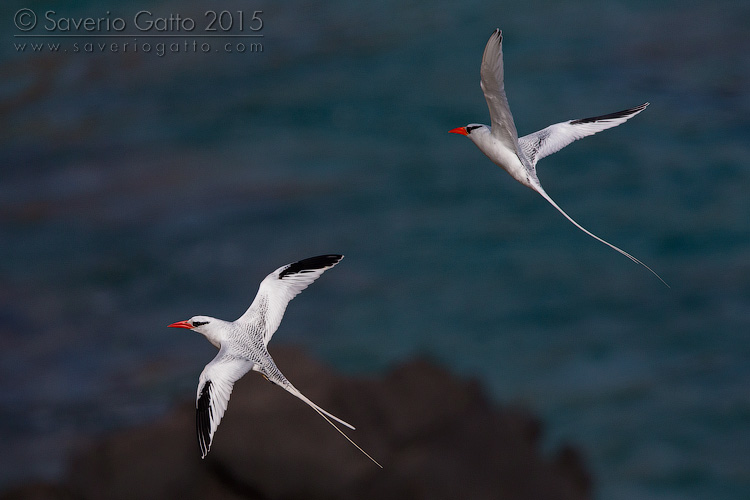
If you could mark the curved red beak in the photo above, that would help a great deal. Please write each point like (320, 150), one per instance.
(459, 130)
(181, 324)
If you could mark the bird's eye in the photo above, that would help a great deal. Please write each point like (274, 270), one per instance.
(199, 323)
(469, 129)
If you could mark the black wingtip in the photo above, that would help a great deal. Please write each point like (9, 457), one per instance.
(203, 419)
(612, 116)
(312, 263)
(499, 34)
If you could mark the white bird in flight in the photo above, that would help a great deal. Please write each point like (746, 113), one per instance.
(519, 156)
(243, 346)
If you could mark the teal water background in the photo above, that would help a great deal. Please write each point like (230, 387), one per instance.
(137, 190)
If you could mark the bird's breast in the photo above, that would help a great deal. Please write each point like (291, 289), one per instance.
(507, 159)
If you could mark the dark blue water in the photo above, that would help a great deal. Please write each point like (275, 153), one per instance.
(138, 190)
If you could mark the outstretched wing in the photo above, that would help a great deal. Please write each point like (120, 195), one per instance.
(555, 137)
(281, 286)
(214, 388)
(493, 86)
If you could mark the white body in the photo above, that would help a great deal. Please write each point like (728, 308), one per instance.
(243, 346)
(519, 156)
(503, 156)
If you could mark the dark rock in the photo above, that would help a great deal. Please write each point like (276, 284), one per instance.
(39, 491)
(437, 436)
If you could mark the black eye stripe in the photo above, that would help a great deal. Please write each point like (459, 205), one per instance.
(199, 323)
(469, 129)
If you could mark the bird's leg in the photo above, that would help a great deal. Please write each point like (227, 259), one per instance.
(268, 379)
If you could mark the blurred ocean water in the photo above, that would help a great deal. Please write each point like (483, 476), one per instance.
(138, 190)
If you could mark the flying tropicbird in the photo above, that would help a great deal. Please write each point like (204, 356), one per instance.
(519, 156)
(243, 346)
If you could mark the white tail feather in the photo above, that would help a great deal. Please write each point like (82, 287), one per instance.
(322, 414)
(325, 415)
(297, 393)
(540, 190)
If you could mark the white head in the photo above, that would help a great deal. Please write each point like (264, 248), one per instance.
(474, 131)
(205, 325)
